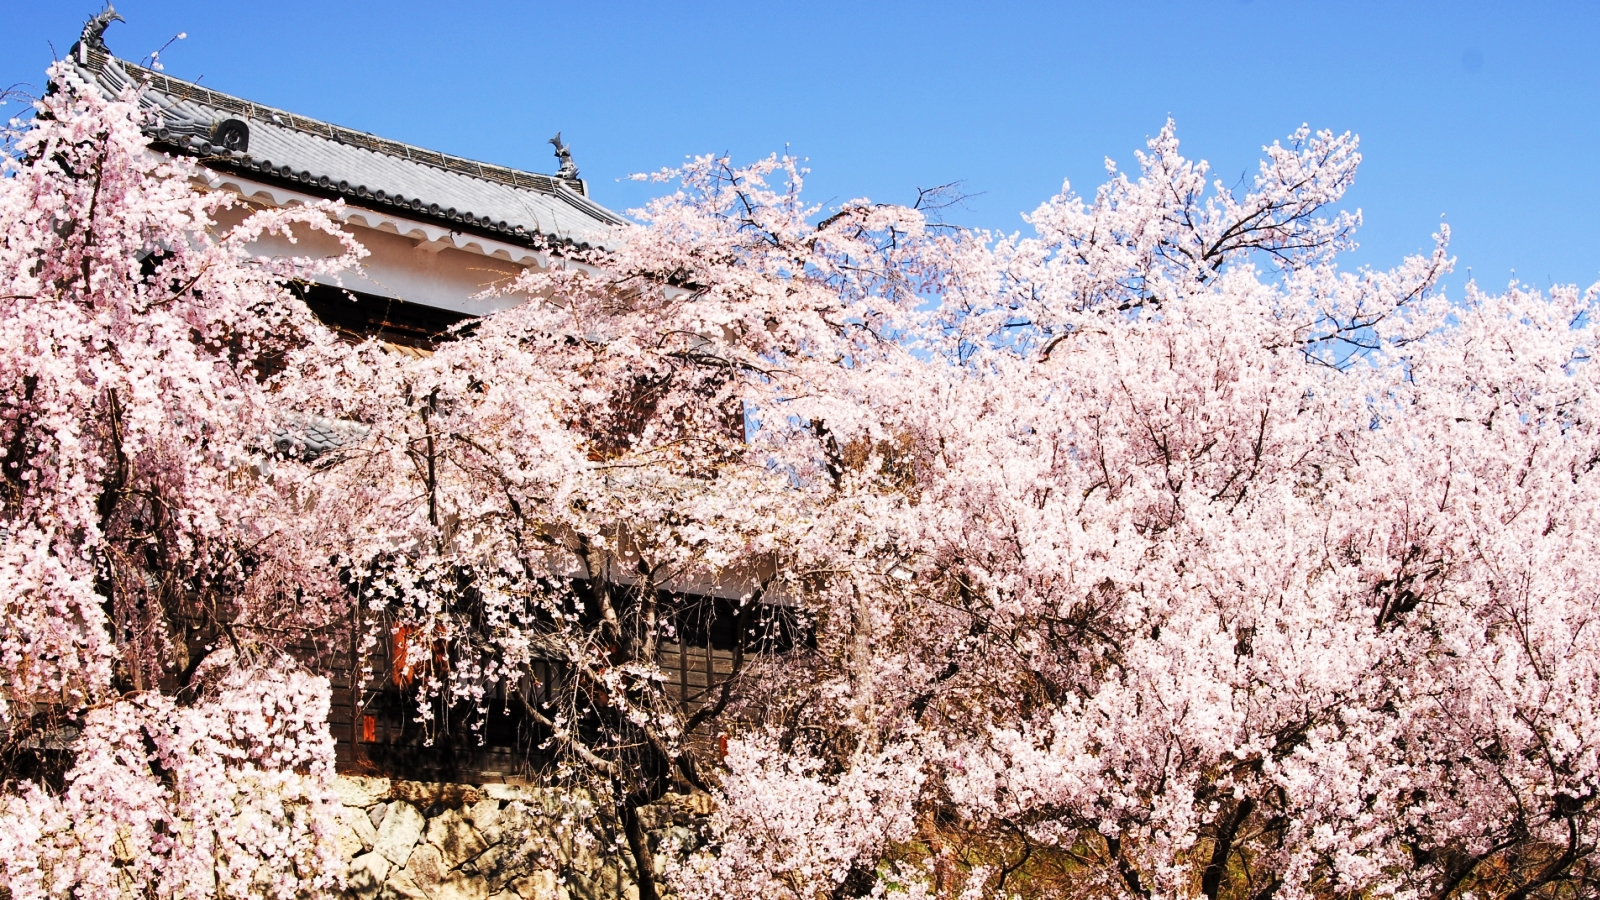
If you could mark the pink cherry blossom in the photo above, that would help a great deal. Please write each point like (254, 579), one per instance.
(1151, 547)
(158, 739)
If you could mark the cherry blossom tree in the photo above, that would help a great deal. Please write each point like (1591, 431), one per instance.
(1150, 555)
(1225, 573)
(1152, 550)
(571, 480)
(154, 736)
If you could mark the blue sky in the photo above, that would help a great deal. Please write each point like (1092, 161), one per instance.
(1487, 114)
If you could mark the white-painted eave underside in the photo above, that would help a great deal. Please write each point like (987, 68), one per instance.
(428, 236)
(418, 262)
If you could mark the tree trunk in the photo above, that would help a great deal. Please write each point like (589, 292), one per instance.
(639, 845)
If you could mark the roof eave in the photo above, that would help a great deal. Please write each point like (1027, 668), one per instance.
(573, 193)
(356, 195)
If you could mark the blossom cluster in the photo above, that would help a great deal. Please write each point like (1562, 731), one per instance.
(157, 738)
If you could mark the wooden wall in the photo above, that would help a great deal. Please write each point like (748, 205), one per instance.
(375, 731)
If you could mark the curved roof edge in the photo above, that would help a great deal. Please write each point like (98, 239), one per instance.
(228, 132)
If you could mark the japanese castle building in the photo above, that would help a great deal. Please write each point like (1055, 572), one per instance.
(440, 229)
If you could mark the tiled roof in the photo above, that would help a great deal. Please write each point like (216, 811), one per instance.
(308, 437)
(273, 145)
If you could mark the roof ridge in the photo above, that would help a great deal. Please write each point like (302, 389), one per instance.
(186, 90)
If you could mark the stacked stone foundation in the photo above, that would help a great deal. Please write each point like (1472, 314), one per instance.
(405, 840)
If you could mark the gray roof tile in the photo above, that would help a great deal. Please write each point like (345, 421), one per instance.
(308, 437)
(363, 168)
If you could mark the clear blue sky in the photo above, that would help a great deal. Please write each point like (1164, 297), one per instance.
(1488, 114)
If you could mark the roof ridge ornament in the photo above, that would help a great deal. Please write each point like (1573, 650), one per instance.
(569, 169)
(94, 31)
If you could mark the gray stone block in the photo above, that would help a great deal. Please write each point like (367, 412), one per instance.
(426, 867)
(507, 792)
(365, 876)
(359, 824)
(514, 823)
(349, 845)
(402, 826)
(540, 884)
(483, 814)
(461, 886)
(401, 886)
(358, 790)
(678, 839)
(424, 794)
(455, 837)
(504, 863)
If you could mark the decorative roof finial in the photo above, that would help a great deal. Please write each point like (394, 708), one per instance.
(94, 31)
(569, 169)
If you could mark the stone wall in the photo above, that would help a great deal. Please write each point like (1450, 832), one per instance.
(410, 840)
